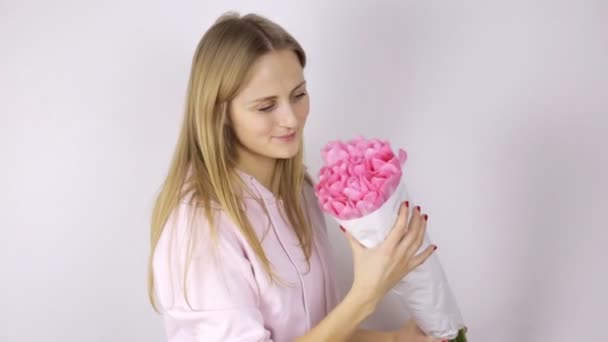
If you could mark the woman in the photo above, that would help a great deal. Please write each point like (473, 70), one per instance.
(240, 250)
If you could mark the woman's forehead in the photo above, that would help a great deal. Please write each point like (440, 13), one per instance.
(273, 74)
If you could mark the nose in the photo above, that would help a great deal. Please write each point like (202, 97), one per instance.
(287, 117)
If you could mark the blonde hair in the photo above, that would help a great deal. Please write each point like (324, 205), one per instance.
(205, 151)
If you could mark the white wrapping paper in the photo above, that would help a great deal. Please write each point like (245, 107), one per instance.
(425, 290)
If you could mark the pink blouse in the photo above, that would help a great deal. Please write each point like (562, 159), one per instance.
(231, 298)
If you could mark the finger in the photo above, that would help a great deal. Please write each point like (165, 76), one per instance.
(419, 234)
(411, 236)
(420, 258)
(412, 241)
(400, 227)
(413, 248)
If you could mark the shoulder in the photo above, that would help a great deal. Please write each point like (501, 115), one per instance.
(191, 232)
(207, 264)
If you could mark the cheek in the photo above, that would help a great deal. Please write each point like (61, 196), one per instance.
(256, 126)
(303, 110)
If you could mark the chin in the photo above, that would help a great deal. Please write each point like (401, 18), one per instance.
(286, 153)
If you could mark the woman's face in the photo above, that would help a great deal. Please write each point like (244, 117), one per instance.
(269, 112)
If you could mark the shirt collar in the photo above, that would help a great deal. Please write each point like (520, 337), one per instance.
(256, 187)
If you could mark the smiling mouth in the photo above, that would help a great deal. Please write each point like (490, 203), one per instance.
(288, 136)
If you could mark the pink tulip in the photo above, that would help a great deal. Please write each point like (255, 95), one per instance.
(358, 176)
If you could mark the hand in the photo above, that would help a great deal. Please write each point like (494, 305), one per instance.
(410, 332)
(378, 269)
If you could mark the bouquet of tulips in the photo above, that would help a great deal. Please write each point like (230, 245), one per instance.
(361, 186)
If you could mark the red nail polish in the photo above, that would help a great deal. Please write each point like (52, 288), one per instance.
(407, 204)
(343, 230)
(434, 247)
(426, 217)
(418, 207)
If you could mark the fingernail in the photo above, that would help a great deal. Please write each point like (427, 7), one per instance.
(434, 247)
(407, 204)
(418, 207)
(343, 230)
(426, 217)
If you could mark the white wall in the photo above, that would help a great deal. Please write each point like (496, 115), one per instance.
(502, 106)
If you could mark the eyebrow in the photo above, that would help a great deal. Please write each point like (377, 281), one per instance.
(274, 96)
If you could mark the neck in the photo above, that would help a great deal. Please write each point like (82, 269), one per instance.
(261, 168)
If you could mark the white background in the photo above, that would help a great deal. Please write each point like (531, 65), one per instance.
(501, 105)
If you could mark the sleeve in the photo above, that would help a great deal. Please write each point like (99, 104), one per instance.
(222, 295)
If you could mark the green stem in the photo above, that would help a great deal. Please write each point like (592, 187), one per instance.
(461, 337)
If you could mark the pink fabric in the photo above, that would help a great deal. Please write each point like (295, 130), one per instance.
(231, 297)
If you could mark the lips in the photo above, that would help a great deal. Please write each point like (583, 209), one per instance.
(287, 136)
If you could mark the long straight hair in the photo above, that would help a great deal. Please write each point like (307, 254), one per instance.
(205, 152)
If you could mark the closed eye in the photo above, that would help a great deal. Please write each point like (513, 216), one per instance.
(301, 95)
(266, 109)
(269, 108)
